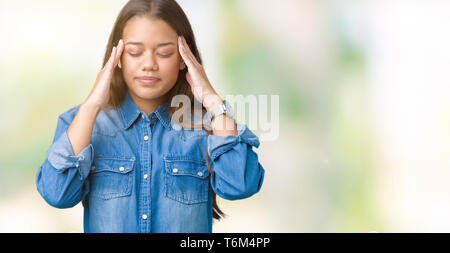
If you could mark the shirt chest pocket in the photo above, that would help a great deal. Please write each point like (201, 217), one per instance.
(111, 177)
(186, 181)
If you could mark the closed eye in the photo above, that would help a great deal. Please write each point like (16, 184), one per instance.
(162, 55)
(165, 55)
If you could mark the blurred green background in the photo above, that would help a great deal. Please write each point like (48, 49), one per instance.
(364, 142)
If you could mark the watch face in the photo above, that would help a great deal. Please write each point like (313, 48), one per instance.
(221, 109)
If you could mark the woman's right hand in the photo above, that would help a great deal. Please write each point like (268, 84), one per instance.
(99, 95)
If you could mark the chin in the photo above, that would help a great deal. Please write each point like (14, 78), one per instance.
(148, 92)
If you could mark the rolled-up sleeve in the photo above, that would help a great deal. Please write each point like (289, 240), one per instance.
(61, 180)
(237, 171)
(61, 156)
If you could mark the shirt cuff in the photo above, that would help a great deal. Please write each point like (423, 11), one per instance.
(217, 145)
(61, 156)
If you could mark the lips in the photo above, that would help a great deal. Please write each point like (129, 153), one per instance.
(148, 80)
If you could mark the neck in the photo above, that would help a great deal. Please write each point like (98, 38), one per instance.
(147, 105)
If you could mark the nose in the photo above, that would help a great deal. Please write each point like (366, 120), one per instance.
(150, 63)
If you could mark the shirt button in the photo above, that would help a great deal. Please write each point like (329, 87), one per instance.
(146, 138)
(175, 170)
(144, 216)
(121, 169)
(200, 174)
(152, 117)
(145, 176)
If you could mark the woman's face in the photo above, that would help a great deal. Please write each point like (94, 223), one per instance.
(151, 50)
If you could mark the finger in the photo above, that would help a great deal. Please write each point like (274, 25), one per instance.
(182, 52)
(192, 56)
(119, 51)
(110, 60)
(121, 48)
(115, 56)
(187, 55)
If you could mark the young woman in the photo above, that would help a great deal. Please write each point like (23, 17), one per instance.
(120, 153)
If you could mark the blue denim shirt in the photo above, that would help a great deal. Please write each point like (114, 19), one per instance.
(139, 174)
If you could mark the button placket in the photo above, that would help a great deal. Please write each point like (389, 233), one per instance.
(145, 190)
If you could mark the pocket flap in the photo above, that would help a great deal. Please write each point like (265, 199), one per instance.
(180, 167)
(118, 165)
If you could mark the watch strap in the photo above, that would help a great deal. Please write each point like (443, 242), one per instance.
(222, 108)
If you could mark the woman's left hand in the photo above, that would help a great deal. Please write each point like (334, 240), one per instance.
(196, 77)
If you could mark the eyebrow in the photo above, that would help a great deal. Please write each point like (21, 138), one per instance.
(141, 44)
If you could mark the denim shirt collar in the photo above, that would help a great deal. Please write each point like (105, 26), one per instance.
(130, 112)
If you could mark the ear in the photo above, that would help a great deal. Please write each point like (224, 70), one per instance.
(182, 65)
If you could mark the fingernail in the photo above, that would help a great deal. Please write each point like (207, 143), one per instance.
(120, 42)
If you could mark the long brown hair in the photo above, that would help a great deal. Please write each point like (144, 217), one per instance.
(170, 12)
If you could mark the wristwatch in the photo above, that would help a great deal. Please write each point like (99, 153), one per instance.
(222, 108)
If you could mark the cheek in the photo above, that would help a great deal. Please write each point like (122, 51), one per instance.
(170, 67)
(129, 67)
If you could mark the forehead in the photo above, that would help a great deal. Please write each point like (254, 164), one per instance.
(148, 31)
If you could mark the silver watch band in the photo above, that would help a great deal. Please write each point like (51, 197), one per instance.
(222, 108)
